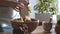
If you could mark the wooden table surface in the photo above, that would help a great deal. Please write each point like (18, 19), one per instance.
(38, 30)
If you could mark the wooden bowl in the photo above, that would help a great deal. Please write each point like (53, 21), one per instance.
(31, 24)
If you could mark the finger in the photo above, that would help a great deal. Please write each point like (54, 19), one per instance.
(21, 5)
(17, 9)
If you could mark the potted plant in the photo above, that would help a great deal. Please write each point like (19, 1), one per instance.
(45, 7)
(57, 27)
(44, 10)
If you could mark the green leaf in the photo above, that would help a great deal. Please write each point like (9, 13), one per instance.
(44, 6)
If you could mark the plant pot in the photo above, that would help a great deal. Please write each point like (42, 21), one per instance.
(47, 26)
(57, 29)
(42, 17)
(31, 25)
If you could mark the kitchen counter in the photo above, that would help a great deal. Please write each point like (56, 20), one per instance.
(38, 30)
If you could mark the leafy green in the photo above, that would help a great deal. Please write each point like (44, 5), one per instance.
(45, 6)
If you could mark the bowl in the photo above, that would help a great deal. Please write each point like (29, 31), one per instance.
(57, 29)
(31, 24)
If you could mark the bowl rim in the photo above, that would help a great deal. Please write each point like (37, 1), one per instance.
(33, 20)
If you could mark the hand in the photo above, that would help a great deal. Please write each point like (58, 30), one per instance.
(22, 6)
(19, 7)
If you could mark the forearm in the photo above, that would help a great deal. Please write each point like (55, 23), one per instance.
(8, 3)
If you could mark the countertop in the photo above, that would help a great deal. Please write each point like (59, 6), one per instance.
(38, 30)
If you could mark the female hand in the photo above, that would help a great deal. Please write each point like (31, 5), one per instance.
(19, 7)
(22, 6)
